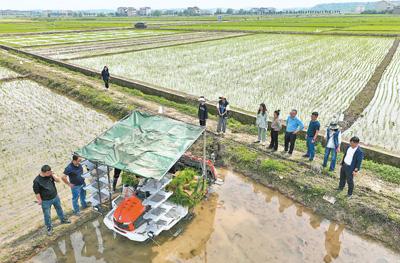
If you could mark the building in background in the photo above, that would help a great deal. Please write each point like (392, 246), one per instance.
(131, 11)
(145, 11)
(193, 11)
(262, 10)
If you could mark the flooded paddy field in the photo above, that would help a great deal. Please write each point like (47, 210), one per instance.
(79, 50)
(76, 37)
(241, 221)
(37, 127)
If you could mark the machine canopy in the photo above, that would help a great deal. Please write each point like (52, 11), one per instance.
(143, 144)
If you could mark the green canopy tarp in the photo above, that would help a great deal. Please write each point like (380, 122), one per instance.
(143, 144)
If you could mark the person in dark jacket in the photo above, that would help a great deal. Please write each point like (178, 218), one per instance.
(203, 111)
(105, 75)
(45, 190)
(351, 165)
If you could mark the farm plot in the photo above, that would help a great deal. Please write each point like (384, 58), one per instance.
(51, 39)
(6, 73)
(112, 47)
(284, 71)
(37, 127)
(380, 124)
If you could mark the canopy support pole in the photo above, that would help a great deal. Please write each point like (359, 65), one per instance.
(204, 155)
(98, 188)
(109, 187)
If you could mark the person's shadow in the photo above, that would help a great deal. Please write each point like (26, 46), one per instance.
(332, 242)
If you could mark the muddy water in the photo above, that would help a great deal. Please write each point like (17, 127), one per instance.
(241, 222)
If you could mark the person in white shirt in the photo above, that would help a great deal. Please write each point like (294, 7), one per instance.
(332, 147)
(351, 165)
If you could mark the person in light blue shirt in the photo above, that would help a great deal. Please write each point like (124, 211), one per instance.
(293, 126)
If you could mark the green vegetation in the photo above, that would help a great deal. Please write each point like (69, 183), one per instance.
(271, 165)
(376, 24)
(188, 187)
(129, 179)
(385, 172)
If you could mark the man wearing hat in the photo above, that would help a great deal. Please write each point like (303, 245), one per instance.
(333, 141)
(203, 111)
(45, 190)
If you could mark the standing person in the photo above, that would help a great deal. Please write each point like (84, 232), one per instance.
(76, 182)
(203, 111)
(262, 123)
(276, 127)
(293, 126)
(333, 141)
(117, 173)
(45, 190)
(312, 135)
(222, 108)
(105, 75)
(351, 165)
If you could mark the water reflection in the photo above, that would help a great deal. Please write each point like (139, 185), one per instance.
(241, 222)
(332, 241)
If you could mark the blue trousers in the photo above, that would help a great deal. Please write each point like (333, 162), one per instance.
(78, 193)
(333, 160)
(310, 148)
(46, 207)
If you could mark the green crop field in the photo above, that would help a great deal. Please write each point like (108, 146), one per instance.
(377, 24)
(14, 25)
(366, 24)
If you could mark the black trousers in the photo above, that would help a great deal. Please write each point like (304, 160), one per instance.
(202, 122)
(346, 175)
(290, 140)
(106, 83)
(117, 172)
(274, 140)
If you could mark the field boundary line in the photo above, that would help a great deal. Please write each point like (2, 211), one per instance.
(246, 117)
(365, 96)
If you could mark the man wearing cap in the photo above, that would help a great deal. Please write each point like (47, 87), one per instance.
(333, 141)
(203, 111)
(222, 109)
(351, 165)
(45, 190)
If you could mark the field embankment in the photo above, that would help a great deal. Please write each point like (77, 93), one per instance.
(373, 211)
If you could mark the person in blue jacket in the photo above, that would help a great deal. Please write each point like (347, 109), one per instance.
(293, 126)
(351, 165)
(332, 147)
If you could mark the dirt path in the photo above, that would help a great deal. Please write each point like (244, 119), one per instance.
(363, 99)
(382, 191)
